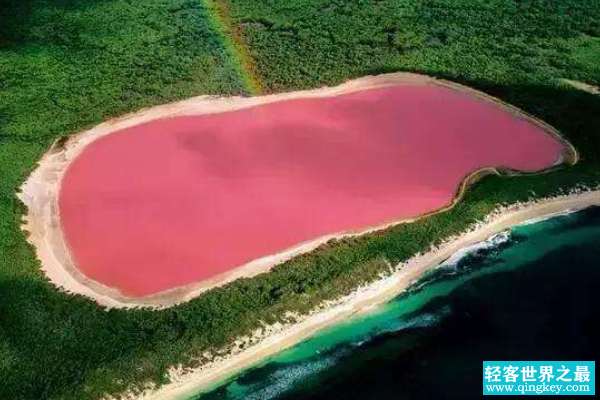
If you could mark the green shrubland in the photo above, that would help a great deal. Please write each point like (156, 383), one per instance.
(307, 43)
(66, 65)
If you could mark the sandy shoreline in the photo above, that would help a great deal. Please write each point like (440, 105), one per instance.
(40, 191)
(586, 87)
(277, 338)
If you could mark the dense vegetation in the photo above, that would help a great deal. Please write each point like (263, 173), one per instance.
(65, 65)
(306, 43)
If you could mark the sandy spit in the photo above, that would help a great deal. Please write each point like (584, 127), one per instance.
(586, 87)
(40, 192)
(275, 338)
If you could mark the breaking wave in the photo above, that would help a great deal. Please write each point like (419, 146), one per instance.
(467, 259)
(548, 216)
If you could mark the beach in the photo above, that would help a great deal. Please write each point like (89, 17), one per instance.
(274, 339)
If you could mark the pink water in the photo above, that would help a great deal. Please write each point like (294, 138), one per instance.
(180, 200)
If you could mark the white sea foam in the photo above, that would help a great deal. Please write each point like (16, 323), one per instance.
(424, 320)
(492, 242)
(282, 380)
(421, 320)
(547, 217)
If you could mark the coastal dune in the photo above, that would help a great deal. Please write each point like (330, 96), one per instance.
(156, 207)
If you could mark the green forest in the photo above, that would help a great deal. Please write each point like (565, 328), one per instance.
(66, 65)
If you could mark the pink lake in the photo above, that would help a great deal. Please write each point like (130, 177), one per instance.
(176, 201)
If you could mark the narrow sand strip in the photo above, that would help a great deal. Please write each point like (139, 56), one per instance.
(586, 87)
(40, 191)
(274, 339)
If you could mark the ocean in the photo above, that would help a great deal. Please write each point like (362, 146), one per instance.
(530, 293)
